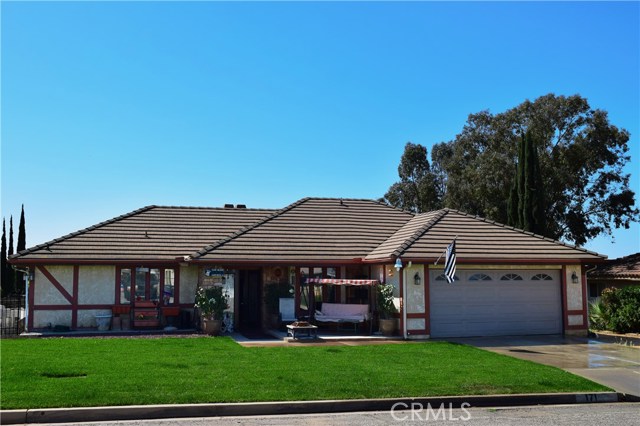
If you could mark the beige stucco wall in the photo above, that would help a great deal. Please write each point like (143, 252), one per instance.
(574, 291)
(42, 319)
(415, 293)
(96, 285)
(45, 293)
(188, 283)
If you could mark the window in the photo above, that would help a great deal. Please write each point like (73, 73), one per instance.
(169, 286)
(441, 277)
(143, 283)
(541, 277)
(480, 277)
(511, 277)
(125, 286)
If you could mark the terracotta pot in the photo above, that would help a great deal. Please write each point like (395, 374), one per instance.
(211, 327)
(387, 327)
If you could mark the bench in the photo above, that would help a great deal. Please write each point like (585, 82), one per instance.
(343, 313)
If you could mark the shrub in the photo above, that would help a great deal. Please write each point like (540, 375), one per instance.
(621, 308)
(598, 319)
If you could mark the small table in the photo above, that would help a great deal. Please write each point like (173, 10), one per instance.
(308, 331)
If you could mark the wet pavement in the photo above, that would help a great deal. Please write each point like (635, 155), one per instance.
(613, 365)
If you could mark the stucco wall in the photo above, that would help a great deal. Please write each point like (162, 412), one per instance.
(188, 283)
(574, 290)
(415, 293)
(42, 319)
(44, 291)
(392, 277)
(96, 286)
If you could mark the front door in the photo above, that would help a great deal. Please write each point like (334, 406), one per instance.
(250, 287)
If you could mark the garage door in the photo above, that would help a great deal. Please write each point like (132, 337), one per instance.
(495, 303)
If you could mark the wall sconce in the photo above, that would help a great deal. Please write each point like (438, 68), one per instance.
(574, 277)
(398, 264)
(416, 279)
(390, 273)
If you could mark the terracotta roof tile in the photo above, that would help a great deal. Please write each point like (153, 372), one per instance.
(330, 229)
(153, 232)
(428, 235)
(624, 267)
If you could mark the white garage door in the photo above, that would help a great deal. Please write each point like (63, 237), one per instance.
(495, 303)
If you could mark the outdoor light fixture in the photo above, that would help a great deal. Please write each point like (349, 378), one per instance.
(398, 264)
(574, 277)
(416, 279)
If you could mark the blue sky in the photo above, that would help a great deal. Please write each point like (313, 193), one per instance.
(111, 106)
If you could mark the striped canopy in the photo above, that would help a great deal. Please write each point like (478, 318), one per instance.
(339, 281)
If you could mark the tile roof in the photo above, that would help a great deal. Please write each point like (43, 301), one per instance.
(149, 233)
(309, 230)
(427, 236)
(624, 267)
(320, 229)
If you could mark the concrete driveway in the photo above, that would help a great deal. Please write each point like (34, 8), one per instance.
(610, 364)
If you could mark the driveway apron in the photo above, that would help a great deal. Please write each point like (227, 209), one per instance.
(613, 365)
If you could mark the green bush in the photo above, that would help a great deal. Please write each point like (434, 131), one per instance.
(621, 309)
(598, 319)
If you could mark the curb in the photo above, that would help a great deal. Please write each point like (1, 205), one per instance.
(620, 339)
(148, 412)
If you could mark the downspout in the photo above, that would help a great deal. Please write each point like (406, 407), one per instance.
(27, 277)
(404, 304)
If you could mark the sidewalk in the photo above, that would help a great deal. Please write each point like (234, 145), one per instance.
(148, 412)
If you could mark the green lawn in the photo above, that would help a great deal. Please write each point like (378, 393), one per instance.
(65, 372)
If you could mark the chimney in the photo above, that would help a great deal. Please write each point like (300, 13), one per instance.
(241, 206)
(228, 206)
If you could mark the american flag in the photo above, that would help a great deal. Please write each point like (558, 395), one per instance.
(450, 262)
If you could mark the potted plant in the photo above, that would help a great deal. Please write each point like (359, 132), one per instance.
(386, 309)
(211, 302)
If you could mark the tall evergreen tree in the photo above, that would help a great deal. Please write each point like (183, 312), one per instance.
(526, 198)
(22, 233)
(11, 274)
(3, 260)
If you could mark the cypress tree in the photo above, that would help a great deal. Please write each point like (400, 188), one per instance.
(3, 260)
(22, 234)
(526, 199)
(11, 274)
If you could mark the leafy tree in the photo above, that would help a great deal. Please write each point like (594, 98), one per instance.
(416, 191)
(581, 160)
(3, 260)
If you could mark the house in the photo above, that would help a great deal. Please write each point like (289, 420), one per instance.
(618, 273)
(507, 281)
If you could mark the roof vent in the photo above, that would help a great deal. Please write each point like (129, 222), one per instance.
(228, 206)
(241, 206)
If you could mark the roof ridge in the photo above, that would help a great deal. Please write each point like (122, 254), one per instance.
(420, 232)
(213, 208)
(522, 231)
(82, 231)
(209, 248)
(384, 203)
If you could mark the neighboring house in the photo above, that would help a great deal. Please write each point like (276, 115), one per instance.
(507, 282)
(618, 273)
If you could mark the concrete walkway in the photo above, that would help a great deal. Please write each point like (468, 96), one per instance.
(613, 365)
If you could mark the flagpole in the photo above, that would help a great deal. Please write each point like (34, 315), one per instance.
(438, 259)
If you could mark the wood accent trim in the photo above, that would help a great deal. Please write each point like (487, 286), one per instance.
(31, 301)
(176, 285)
(565, 307)
(583, 277)
(575, 312)
(74, 303)
(55, 283)
(415, 315)
(70, 308)
(427, 299)
(417, 332)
